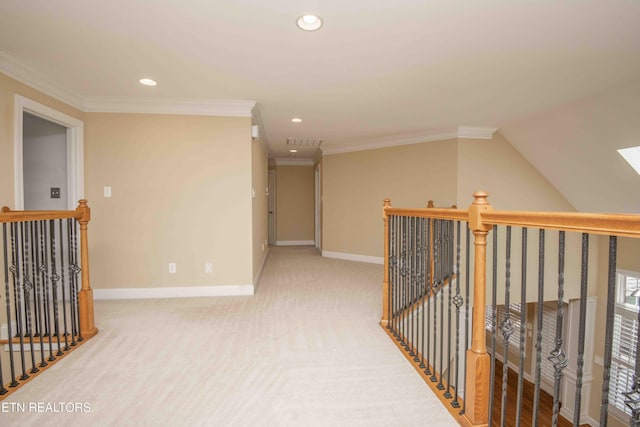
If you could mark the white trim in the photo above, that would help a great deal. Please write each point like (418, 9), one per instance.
(183, 292)
(468, 132)
(476, 132)
(389, 142)
(257, 119)
(354, 257)
(75, 148)
(295, 243)
(195, 107)
(21, 72)
(592, 422)
(256, 279)
(283, 161)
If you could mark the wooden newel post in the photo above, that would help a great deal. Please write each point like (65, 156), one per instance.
(385, 281)
(478, 360)
(85, 297)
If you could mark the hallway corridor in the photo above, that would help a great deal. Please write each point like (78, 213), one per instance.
(306, 350)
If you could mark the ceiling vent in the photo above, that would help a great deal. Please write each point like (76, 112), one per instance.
(304, 142)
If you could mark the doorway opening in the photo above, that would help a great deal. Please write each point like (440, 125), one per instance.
(45, 140)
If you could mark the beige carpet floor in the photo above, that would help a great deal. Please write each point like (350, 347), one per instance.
(306, 350)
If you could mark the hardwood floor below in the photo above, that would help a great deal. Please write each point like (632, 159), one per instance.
(545, 409)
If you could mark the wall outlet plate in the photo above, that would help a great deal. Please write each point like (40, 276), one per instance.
(172, 267)
(55, 192)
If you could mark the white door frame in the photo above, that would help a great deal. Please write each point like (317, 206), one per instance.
(317, 208)
(75, 149)
(272, 224)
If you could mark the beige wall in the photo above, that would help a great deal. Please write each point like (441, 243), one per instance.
(259, 159)
(8, 89)
(355, 185)
(511, 181)
(294, 203)
(181, 192)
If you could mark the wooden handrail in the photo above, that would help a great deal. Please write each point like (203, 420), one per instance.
(7, 215)
(625, 225)
(434, 213)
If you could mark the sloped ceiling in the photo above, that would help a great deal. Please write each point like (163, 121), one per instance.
(574, 147)
(378, 72)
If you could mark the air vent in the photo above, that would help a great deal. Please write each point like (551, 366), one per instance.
(304, 142)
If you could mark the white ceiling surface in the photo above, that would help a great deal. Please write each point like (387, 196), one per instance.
(575, 148)
(378, 72)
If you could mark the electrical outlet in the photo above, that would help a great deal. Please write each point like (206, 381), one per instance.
(172, 267)
(55, 192)
(208, 267)
(107, 192)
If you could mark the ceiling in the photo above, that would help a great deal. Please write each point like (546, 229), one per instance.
(377, 73)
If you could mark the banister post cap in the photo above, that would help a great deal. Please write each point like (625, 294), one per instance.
(480, 204)
(430, 204)
(480, 198)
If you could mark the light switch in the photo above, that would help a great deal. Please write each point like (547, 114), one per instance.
(107, 192)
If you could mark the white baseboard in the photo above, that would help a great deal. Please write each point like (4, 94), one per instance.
(256, 279)
(354, 257)
(182, 292)
(295, 243)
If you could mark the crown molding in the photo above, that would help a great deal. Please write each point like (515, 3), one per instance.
(23, 73)
(257, 119)
(193, 107)
(283, 161)
(393, 141)
(468, 132)
(476, 132)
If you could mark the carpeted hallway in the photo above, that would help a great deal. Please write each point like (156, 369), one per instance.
(306, 350)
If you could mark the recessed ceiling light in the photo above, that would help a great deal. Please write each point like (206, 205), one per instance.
(148, 82)
(293, 151)
(632, 156)
(296, 120)
(309, 22)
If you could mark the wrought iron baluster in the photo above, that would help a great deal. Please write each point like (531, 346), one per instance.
(558, 357)
(507, 328)
(39, 278)
(27, 288)
(449, 266)
(7, 294)
(65, 333)
(34, 276)
(73, 280)
(457, 301)
(584, 272)
(416, 287)
(55, 278)
(523, 323)
(539, 332)
(436, 291)
(424, 257)
(441, 278)
(494, 321)
(611, 295)
(48, 284)
(466, 311)
(16, 244)
(429, 278)
(411, 283)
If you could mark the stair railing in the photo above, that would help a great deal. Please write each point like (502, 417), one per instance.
(48, 301)
(429, 293)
